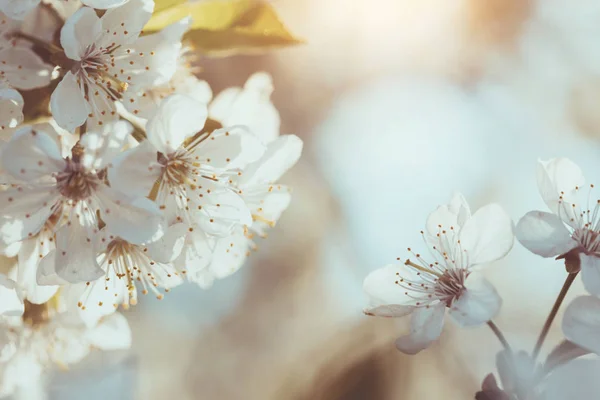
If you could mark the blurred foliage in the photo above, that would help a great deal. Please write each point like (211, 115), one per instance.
(225, 27)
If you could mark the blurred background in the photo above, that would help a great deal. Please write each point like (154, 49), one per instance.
(399, 103)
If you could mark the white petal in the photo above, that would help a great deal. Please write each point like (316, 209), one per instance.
(279, 157)
(581, 323)
(458, 205)
(381, 287)
(113, 333)
(177, 118)
(229, 254)
(442, 219)
(17, 9)
(30, 254)
(266, 204)
(426, 327)
(250, 106)
(544, 234)
(46, 272)
(478, 304)
(100, 147)
(230, 148)
(75, 259)
(578, 379)
(23, 68)
(122, 25)
(590, 273)
(558, 177)
(103, 4)
(196, 254)
(10, 301)
(135, 171)
(136, 220)
(168, 248)
(31, 155)
(69, 107)
(11, 107)
(488, 235)
(217, 209)
(80, 31)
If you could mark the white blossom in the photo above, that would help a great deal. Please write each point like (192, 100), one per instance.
(572, 229)
(66, 195)
(457, 243)
(107, 60)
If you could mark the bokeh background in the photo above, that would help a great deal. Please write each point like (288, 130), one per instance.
(399, 103)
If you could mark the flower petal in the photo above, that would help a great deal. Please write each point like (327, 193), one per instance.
(250, 106)
(459, 206)
(122, 25)
(229, 254)
(178, 117)
(425, 327)
(581, 323)
(544, 234)
(30, 254)
(169, 246)
(230, 148)
(112, 333)
(136, 220)
(23, 68)
(577, 379)
(102, 146)
(31, 155)
(279, 157)
(69, 107)
(382, 288)
(135, 171)
(75, 257)
(558, 177)
(10, 301)
(11, 107)
(80, 31)
(103, 4)
(478, 304)
(590, 273)
(488, 235)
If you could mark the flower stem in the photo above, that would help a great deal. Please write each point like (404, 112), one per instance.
(552, 315)
(499, 335)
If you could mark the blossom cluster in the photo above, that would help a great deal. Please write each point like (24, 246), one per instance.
(134, 179)
(447, 279)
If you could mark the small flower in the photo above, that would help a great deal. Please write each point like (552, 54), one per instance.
(457, 243)
(45, 339)
(266, 199)
(106, 59)
(572, 229)
(69, 195)
(193, 171)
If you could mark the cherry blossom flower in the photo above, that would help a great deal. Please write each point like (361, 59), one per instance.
(125, 265)
(572, 229)
(19, 65)
(457, 243)
(68, 195)
(266, 200)
(106, 59)
(38, 343)
(194, 171)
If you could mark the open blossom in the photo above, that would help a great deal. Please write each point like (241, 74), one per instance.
(67, 195)
(127, 268)
(446, 280)
(193, 171)
(572, 229)
(33, 345)
(105, 60)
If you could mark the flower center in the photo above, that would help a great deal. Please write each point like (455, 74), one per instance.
(75, 182)
(94, 68)
(588, 239)
(451, 285)
(177, 169)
